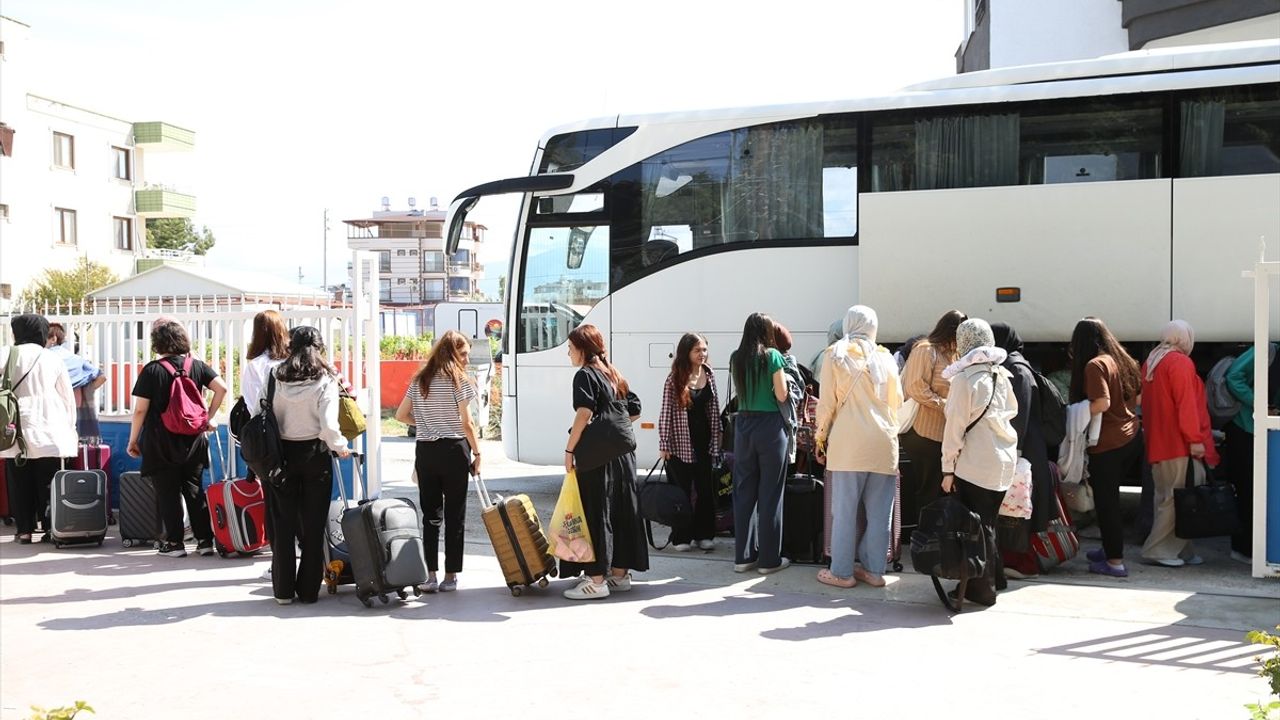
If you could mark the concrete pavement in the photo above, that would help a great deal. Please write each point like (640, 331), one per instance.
(199, 637)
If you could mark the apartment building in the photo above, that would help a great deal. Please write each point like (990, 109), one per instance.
(413, 269)
(1002, 33)
(73, 180)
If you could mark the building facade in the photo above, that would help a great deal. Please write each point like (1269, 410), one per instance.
(1003, 33)
(72, 180)
(413, 269)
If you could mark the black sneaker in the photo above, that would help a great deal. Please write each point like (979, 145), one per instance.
(204, 547)
(173, 550)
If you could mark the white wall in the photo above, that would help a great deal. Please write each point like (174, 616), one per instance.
(33, 187)
(1025, 32)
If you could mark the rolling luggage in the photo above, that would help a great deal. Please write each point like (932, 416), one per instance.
(802, 519)
(237, 511)
(895, 519)
(383, 541)
(139, 521)
(78, 507)
(96, 456)
(518, 539)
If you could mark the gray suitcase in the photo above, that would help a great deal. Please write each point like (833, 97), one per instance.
(139, 521)
(78, 507)
(384, 543)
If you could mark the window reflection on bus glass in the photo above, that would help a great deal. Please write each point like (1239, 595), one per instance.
(566, 272)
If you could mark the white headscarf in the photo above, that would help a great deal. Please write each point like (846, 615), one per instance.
(860, 326)
(1177, 336)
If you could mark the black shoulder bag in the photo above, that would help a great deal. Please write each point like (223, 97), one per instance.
(609, 434)
(260, 441)
(664, 503)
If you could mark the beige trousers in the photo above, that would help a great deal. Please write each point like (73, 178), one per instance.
(1162, 544)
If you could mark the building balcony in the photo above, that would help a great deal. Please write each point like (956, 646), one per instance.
(163, 136)
(162, 202)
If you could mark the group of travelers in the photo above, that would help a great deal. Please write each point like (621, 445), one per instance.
(952, 412)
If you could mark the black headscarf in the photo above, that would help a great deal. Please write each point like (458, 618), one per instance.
(1007, 338)
(30, 328)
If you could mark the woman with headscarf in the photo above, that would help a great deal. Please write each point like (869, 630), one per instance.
(857, 437)
(979, 446)
(922, 381)
(1022, 563)
(46, 422)
(1175, 423)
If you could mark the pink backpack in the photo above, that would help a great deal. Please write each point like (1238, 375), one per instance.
(186, 413)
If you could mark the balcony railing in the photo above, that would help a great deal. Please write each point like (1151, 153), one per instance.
(160, 202)
(163, 136)
(434, 267)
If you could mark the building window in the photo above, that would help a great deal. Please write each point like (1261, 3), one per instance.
(384, 290)
(432, 289)
(432, 261)
(123, 233)
(4, 212)
(64, 150)
(66, 231)
(384, 261)
(400, 253)
(123, 163)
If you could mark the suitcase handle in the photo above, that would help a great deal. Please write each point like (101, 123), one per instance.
(356, 473)
(482, 491)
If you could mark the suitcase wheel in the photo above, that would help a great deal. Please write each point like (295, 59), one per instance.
(516, 591)
(99, 543)
(8, 521)
(367, 602)
(543, 583)
(333, 589)
(57, 545)
(384, 599)
(403, 595)
(416, 591)
(127, 542)
(897, 566)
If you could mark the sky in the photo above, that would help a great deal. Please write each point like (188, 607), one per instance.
(303, 106)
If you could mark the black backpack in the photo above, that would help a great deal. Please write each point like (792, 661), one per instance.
(663, 503)
(1052, 407)
(950, 542)
(260, 440)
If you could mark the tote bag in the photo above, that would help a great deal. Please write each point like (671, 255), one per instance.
(607, 436)
(1205, 510)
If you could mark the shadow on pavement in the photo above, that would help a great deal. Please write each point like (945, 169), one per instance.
(1175, 646)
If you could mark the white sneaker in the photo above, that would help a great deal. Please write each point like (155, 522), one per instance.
(707, 545)
(1193, 560)
(744, 567)
(284, 601)
(682, 547)
(618, 584)
(783, 565)
(587, 590)
(266, 574)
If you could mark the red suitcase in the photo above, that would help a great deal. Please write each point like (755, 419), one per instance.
(238, 513)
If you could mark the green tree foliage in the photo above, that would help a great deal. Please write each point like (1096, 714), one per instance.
(178, 234)
(67, 286)
(62, 713)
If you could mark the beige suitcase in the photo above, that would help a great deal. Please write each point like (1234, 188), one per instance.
(518, 539)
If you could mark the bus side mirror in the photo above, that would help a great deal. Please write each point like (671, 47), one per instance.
(457, 222)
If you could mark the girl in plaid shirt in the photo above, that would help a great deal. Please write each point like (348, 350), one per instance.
(689, 438)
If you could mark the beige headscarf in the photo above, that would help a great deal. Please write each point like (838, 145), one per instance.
(1176, 336)
(860, 326)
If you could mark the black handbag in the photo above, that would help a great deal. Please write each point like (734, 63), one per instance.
(1206, 510)
(607, 436)
(239, 416)
(663, 503)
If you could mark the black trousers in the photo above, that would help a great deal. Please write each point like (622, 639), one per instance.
(612, 510)
(29, 492)
(1239, 462)
(923, 484)
(174, 485)
(1106, 471)
(299, 510)
(987, 504)
(443, 467)
(698, 483)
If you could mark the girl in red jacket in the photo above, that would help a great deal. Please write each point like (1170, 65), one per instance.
(1175, 422)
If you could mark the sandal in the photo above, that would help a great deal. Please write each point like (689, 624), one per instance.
(826, 577)
(868, 577)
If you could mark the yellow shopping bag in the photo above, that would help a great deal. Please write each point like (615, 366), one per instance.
(570, 538)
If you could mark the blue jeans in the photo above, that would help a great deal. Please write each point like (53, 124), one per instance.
(760, 462)
(875, 492)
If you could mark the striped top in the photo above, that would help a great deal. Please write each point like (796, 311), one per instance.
(436, 416)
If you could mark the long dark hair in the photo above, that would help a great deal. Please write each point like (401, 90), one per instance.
(757, 339)
(306, 359)
(682, 367)
(943, 335)
(446, 359)
(269, 336)
(588, 340)
(1090, 339)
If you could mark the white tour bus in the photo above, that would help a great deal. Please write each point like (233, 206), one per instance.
(1134, 188)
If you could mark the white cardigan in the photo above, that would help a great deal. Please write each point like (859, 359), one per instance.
(45, 403)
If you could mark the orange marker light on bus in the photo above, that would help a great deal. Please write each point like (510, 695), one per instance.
(646, 426)
(1008, 294)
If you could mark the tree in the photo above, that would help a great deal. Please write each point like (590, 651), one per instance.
(178, 234)
(502, 288)
(67, 286)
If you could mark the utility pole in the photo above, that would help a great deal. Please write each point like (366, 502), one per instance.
(325, 261)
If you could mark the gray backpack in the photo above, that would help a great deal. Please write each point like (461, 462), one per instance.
(1222, 404)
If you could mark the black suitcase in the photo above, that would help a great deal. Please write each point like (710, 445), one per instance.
(802, 519)
(383, 540)
(78, 507)
(139, 521)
